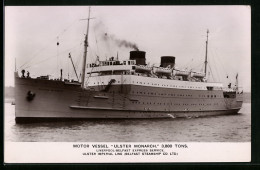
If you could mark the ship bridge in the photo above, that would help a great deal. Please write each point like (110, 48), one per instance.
(111, 67)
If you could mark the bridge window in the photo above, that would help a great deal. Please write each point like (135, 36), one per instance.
(209, 88)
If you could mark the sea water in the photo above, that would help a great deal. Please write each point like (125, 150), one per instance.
(227, 128)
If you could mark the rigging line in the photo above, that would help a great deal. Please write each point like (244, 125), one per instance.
(35, 54)
(211, 73)
(198, 65)
(53, 56)
(227, 77)
(77, 51)
(221, 63)
(54, 39)
(67, 28)
(201, 68)
(196, 54)
(215, 65)
(188, 63)
(79, 59)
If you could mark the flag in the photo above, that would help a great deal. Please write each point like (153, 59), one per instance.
(236, 75)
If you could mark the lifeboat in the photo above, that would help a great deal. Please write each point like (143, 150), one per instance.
(197, 75)
(142, 68)
(161, 70)
(181, 73)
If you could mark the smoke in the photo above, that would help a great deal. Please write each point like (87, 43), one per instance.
(119, 42)
(101, 29)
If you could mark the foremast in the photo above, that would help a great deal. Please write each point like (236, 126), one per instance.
(206, 55)
(85, 53)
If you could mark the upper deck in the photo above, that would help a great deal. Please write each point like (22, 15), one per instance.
(112, 66)
(140, 80)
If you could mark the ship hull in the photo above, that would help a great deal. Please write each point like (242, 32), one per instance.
(58, 100)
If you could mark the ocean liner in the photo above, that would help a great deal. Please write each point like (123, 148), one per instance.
(124, 89)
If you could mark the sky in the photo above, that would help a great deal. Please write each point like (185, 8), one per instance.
(31, 36)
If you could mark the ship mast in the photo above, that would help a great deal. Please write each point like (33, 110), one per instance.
(206, 56)
(85, 53)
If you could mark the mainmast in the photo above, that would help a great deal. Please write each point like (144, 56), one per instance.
(206, 56)
(85, 53)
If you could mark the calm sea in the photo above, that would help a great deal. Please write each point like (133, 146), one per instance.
(230, 128)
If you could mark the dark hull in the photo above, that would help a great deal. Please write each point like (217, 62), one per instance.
(57, 100)
(130, 115)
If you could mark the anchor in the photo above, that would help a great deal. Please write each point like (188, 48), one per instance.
(30, 95)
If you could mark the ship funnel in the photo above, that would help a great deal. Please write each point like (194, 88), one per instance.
(167, 60)
(139, 56)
